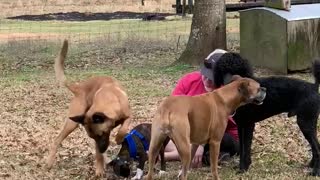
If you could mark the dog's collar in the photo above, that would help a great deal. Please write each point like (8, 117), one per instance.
(233, 114)
(132, 145)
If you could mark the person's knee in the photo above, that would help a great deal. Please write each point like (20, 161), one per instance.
(229, 144)
(171, 152)
(170, 147)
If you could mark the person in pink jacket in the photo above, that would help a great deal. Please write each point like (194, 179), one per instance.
(196, 83)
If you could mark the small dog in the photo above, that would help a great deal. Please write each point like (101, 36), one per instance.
(200, 119)
(285, 95)
(99, 104)
(135, 146)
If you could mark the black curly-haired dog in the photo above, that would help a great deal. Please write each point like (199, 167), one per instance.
(284, 95)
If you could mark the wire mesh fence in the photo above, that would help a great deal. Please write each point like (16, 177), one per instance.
(33, 30)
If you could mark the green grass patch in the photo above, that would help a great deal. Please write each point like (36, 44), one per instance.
(113, 28)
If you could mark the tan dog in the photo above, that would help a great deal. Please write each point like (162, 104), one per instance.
(99, 104)
(199, 120)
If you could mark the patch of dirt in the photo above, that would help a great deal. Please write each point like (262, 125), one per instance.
(78, 16)
(5, 37)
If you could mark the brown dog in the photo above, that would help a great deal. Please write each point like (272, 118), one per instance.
(199, 120)
(99, 104)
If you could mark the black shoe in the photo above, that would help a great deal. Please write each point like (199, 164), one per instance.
(223, 157)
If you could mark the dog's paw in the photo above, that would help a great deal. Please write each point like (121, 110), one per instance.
(241, 171)
(311, 163)
(315, 172)
(138, 175)
(180, 174)
(48, 163)
(99, 172)
(161, 173)
(147, 177)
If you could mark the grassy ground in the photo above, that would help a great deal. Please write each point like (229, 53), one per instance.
(33, 108)
(113, 29)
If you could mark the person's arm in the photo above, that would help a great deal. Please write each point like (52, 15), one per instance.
(196, 162)
(180, 88)
(232, 128)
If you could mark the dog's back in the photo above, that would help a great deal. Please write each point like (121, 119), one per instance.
(284, 94)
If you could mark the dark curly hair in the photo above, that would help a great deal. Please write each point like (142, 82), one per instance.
(231, 64)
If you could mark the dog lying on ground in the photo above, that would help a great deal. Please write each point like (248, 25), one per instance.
(135, 146)
(199, 120)
(99, 104)
(285, 95)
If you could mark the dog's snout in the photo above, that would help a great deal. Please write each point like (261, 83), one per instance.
(121, 167)
(263, 92)
(263, 89)
(102, 144)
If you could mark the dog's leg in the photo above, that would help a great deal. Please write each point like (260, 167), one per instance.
(181, 137)
(99, 163)
(157, 139)
(69, 126)
(163, 161)
(123, 130)
(245, 134)
(194, 148)
(308, 127)
(214, 147)
(142, 160)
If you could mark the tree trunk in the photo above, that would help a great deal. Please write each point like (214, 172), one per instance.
(208, 31)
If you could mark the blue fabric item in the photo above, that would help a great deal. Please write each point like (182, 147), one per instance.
(132, 144)
(143, 139)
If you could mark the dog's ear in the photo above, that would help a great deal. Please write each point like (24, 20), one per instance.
(78, 119)
(98, 117)
(243, 89)
(230, 78)
(235, 77)
(207, 64)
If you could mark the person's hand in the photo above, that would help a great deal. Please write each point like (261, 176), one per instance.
(197, 159)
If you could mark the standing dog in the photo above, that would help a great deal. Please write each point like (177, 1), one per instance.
(99, 104)
(199, 120)
(135, 146)
(285, 95)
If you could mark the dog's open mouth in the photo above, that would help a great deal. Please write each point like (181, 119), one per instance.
(259, 99)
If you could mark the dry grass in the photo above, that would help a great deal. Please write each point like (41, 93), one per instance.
(33, 110)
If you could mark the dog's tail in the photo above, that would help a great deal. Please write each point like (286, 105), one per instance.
(316, 72)
(59, 69)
